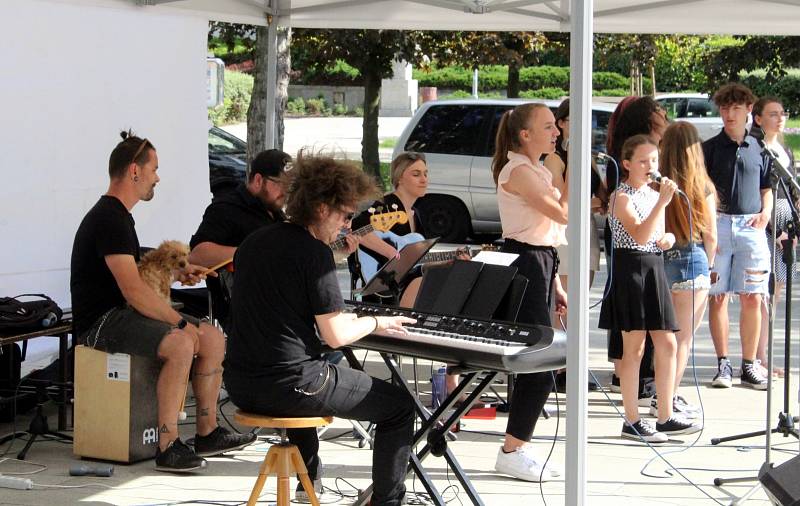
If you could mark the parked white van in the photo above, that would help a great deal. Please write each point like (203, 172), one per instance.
(457, 137)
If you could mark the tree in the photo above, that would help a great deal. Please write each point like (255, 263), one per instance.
(255, 40)
(748, 53)
(642, 50)
(372, 53)
(474, 49)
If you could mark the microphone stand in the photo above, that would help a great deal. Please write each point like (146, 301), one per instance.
(779, 176)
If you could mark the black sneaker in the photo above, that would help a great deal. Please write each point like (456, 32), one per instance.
(675, 426)
(751, 377)
(615, 386)
(561, 383)
(221, 440)
(642, 430)
(647, 389)
(724, 372)
(178, 458)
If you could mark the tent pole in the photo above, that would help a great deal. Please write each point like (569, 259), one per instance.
(272, 75)
(580, 147)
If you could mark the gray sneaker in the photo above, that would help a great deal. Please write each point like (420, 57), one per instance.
(323, 496)
(723, 378)
(751, 377)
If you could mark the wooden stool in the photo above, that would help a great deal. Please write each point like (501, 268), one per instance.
(284, 459)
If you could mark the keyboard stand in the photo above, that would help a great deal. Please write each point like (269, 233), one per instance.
(433, 429)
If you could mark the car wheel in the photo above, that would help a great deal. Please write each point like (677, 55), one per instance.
(444, 217)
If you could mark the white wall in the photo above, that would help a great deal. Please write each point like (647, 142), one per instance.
(73, 75)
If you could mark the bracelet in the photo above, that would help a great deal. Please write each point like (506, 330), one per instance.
(376, 324)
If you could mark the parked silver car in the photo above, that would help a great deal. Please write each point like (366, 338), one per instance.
(695, 108)
(457, 137)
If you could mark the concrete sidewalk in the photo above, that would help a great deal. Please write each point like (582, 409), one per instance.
(619, 472)
(338, 133)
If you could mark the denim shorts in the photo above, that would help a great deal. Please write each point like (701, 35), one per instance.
(687, 267)
(742, 261)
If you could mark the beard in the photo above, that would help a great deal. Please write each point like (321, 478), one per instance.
(150, 194)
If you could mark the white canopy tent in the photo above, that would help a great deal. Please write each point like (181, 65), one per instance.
(580, 17)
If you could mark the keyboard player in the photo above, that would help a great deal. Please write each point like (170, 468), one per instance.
(286, 295)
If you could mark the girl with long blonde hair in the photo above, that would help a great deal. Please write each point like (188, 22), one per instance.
(687, 263)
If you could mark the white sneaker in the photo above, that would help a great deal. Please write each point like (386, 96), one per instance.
(522, 464)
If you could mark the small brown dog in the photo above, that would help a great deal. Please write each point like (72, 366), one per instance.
(157, 267)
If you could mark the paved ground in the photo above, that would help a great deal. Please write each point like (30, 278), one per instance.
(339, 134)
(619, 472)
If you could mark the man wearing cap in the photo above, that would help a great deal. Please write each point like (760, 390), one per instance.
(234, 215)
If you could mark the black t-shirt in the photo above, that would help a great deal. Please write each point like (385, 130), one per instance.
(107, 229)
(233, 216)
(283, 278)
(738, 171)
(400, 229)
(227, 221)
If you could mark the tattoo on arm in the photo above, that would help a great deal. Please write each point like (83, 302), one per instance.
(203, 412)
(164, 429)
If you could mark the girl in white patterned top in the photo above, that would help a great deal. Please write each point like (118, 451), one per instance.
(639, 300)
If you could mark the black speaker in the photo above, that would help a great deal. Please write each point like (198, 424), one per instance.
(781, 483)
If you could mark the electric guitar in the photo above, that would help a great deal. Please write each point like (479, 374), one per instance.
(379, 223)
(370, 266)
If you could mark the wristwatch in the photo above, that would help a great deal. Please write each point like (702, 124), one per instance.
(181, 324)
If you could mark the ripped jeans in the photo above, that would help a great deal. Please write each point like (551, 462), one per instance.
(742, 262)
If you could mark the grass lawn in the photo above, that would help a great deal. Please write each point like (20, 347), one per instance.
(793, 140)
(388, 143)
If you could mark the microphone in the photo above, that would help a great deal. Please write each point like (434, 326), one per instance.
(656, 177)
(104, 470)
(779, 170)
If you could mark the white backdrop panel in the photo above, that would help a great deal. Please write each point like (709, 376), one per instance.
(73, 77)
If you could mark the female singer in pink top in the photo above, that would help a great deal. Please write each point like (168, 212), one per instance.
(533, 214)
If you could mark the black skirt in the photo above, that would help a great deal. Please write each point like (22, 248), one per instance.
(640, 298)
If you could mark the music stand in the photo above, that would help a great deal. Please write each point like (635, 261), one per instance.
(389, 277)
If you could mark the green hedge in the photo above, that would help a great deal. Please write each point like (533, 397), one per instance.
(238, 88)
(787, 88)
(546, 93)
(495, 77)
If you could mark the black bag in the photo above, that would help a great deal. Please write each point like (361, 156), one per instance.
(16, 314)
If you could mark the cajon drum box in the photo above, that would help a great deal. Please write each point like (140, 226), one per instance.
(116, 410)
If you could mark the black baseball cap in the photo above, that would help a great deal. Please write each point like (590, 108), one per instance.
(269, 163)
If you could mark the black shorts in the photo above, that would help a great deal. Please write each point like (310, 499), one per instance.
(125, 330)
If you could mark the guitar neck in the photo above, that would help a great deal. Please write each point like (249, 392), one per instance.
(341, 242)
(439, 256)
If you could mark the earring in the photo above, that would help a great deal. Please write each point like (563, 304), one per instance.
(136, 178)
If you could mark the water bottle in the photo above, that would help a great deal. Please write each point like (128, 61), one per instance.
(49, 320)
(439, 390)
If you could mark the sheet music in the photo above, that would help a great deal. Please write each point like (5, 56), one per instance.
(495, 258)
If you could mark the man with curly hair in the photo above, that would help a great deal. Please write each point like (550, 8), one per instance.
(287, 304)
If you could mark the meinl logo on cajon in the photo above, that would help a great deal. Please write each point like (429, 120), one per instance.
(150, 436)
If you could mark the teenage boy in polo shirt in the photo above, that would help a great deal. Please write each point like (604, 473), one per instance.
(740, 174)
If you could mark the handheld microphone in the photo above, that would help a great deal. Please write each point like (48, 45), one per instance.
(656, 177)
(104, 470)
